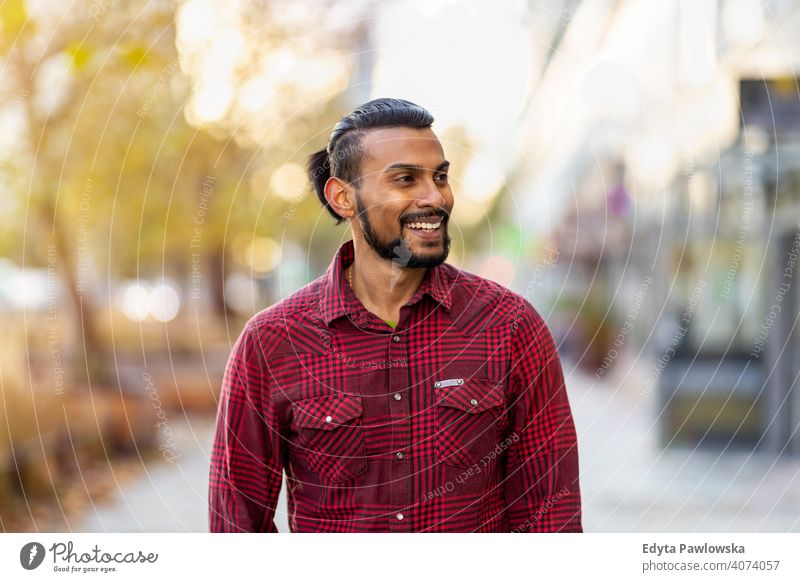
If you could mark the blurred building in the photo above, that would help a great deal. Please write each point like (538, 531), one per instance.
(735, 376)
(662, 161)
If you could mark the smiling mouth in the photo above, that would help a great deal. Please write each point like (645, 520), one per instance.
(424, 226)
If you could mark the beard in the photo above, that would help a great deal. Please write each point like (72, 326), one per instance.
(397, 250)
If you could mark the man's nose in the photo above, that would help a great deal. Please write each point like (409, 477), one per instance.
(432, 195)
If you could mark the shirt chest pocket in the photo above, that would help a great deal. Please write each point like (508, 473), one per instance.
(330, 436)
(467, 415)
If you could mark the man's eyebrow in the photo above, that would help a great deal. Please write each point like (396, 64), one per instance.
(416, 167)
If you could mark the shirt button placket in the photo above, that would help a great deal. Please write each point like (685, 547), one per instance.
(400, 487)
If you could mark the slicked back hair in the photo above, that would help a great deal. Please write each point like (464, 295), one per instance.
(343, 155)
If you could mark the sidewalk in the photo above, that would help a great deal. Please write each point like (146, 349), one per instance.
(628, 484)
(167, 497)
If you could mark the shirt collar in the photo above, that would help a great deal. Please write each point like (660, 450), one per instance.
(337, 298)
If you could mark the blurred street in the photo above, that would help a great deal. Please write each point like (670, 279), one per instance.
(628, 483)
(164, 497)
(632, 169)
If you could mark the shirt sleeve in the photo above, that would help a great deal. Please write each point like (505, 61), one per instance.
(247, 454)
(541, 485)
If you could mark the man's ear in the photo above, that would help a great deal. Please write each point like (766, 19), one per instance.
(339, 195)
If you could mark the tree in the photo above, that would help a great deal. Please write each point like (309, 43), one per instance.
(114, 167)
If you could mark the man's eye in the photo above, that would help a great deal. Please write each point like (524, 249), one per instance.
(442, 177)
(406, 178)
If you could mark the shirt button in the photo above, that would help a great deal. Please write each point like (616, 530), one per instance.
(473, 402)
(399, 516)
(400, 454)
(395, 338)
(328, 419)
(398, 396)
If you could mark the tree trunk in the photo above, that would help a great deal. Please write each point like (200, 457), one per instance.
(89, 358)
(217, 276)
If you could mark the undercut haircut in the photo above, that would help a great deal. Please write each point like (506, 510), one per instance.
(343, 155)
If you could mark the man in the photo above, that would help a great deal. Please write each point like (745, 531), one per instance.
(397, 392)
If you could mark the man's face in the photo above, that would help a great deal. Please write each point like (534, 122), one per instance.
(403, 196)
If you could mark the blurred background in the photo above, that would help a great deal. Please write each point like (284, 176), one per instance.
(631, 168)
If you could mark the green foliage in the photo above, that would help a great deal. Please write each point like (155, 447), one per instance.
(117, 170)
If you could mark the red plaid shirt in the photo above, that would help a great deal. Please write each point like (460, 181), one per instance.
(457, 420)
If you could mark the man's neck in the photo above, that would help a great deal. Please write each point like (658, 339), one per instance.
(382, 286)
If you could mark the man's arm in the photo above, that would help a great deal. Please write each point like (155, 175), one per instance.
(247, 455)
(541, 486)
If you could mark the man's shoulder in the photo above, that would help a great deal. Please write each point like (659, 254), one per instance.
(484, 303)
(271, 324)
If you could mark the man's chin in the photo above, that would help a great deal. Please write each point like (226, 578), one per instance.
(410, 252)
(432, 258)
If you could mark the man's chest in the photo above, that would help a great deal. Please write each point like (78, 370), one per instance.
(428, 394)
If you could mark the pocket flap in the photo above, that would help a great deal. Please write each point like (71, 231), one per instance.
(474, 395)
(327, 412)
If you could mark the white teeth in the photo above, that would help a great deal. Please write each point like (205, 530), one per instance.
(424, 225)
